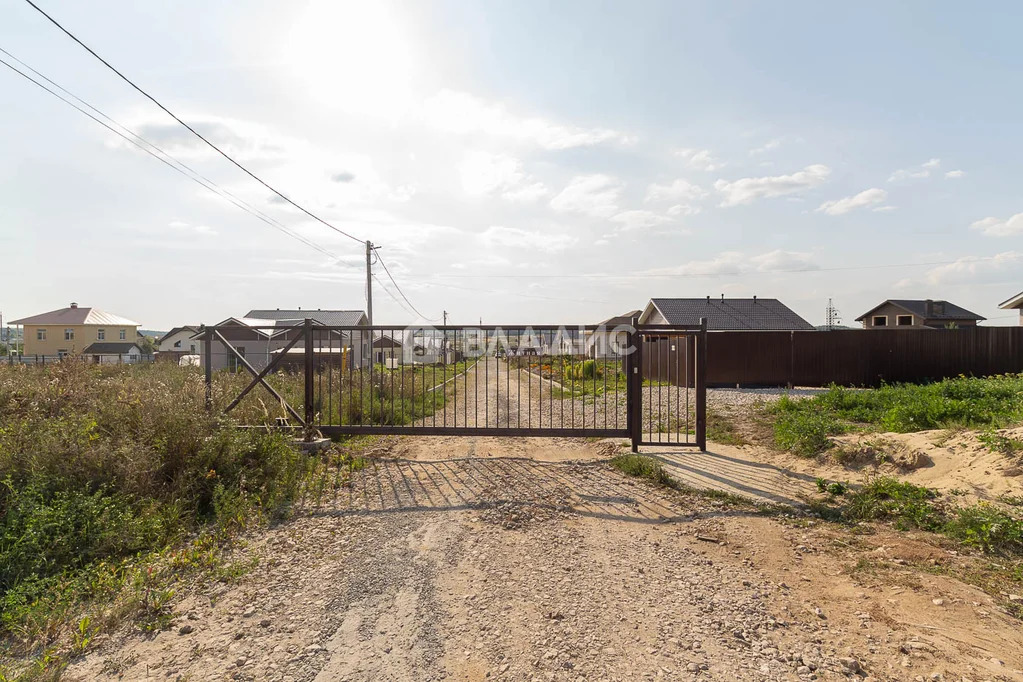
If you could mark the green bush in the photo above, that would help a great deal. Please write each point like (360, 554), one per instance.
(641, 466)
(802, 431)
(102, 465)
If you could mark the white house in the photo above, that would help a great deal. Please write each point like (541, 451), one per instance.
(612, 338)
(179, 342)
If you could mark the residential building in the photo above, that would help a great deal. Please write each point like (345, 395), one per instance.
(918, 314)
(73, 330)
(612, 338)
(725, 314)
(385, 348)
(112, 353)
(1014, 303)
(179, 342)
(263, 334)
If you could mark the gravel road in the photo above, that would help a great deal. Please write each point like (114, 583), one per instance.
(427, 567)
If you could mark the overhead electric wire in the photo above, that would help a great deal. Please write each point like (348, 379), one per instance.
(166, 159)
(203, 138)
(190, 128)
(389, 276)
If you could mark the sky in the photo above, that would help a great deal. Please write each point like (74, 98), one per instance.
(517, 162)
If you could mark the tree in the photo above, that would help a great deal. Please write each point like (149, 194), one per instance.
(147, 344)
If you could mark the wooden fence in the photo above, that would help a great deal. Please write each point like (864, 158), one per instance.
(844, 357)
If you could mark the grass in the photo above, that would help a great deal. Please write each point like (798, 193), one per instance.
(906, 506)
(116, 483)
(720, 429)
(640, 466)
(805, 426)
(1006, 445)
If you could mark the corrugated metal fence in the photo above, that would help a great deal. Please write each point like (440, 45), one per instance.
(844, 357)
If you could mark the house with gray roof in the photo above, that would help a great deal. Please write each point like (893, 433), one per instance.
(918, 314)
(725, 314)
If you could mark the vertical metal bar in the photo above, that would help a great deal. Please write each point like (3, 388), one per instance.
(690, 342)
(571, 362)
(330, 377)
(634, 387)
(401, 368)
(390, 373)
(433, 398)
(701, 387)
(454, 398)
(679, 347)
(208, 361)
(308, 331)
(518, 393)
(465, 384)
(486, 379)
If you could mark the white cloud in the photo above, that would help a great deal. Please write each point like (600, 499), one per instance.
(596, 195)
(916, 172)
(738, 263)
(969, 269)
(868, 197)
(955, 174)
(514, 237)
(179, 226)
(679, 190)
(747, 190)
(639, 220)
(462, 113)
(766, 147)
(484, 174)
(996, 227)
(699, 159)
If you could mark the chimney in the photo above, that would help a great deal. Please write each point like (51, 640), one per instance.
(754, 299)
(722, 298)
(74, 305)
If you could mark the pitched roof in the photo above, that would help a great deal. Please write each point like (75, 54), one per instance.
(329, 318)
(761, 314)
(1013, 303)
(919, 307)
(110, 348)
(624, 318)
(193, 328)
(76, 315)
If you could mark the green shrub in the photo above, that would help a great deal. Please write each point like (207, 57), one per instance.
(804, 432)
(641, 466)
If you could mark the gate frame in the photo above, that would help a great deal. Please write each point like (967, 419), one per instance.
(699, 334)
(633, 428)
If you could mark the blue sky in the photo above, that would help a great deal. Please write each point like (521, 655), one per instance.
(518, 161)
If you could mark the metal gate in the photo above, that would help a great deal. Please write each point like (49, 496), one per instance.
(521, 380)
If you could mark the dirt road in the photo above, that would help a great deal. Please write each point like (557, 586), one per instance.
(489, 565)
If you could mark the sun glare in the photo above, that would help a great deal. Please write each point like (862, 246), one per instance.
(354, 56)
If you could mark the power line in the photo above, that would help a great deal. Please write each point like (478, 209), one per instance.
(166, 159)
(389, 276)
(190, 128)
(203, 138)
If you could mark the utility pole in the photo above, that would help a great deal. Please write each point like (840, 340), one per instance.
(445, 318)
(369, 281)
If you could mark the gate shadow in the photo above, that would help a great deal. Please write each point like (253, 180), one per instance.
(712, 470)
(505, 484)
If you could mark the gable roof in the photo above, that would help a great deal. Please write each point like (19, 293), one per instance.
(76, 315)
(1013, 303)
(760, 314)
(110, 348)
(329, 318)
(919, 307)
(191, 328)
(624, 318)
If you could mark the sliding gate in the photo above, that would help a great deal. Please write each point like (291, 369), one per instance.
(642, 383)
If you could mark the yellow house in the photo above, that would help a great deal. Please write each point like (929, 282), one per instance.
(75, 331)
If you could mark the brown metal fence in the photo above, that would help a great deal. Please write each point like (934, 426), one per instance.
(845, 357)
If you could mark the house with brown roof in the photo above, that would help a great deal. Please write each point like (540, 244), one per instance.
(75, 331)
(918, 314)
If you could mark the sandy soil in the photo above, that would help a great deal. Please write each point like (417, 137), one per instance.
(484, 564)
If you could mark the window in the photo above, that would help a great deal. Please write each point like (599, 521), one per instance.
(69, 334)
(101, 334)
(177, 344)
(880, 321)
(123, 334)
(192, 348)
(904, 321)
(40, 335)
(233, 363)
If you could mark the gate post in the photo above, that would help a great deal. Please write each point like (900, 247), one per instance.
(207, 352)
(309, 395)
(634, 386)
(701, 386)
